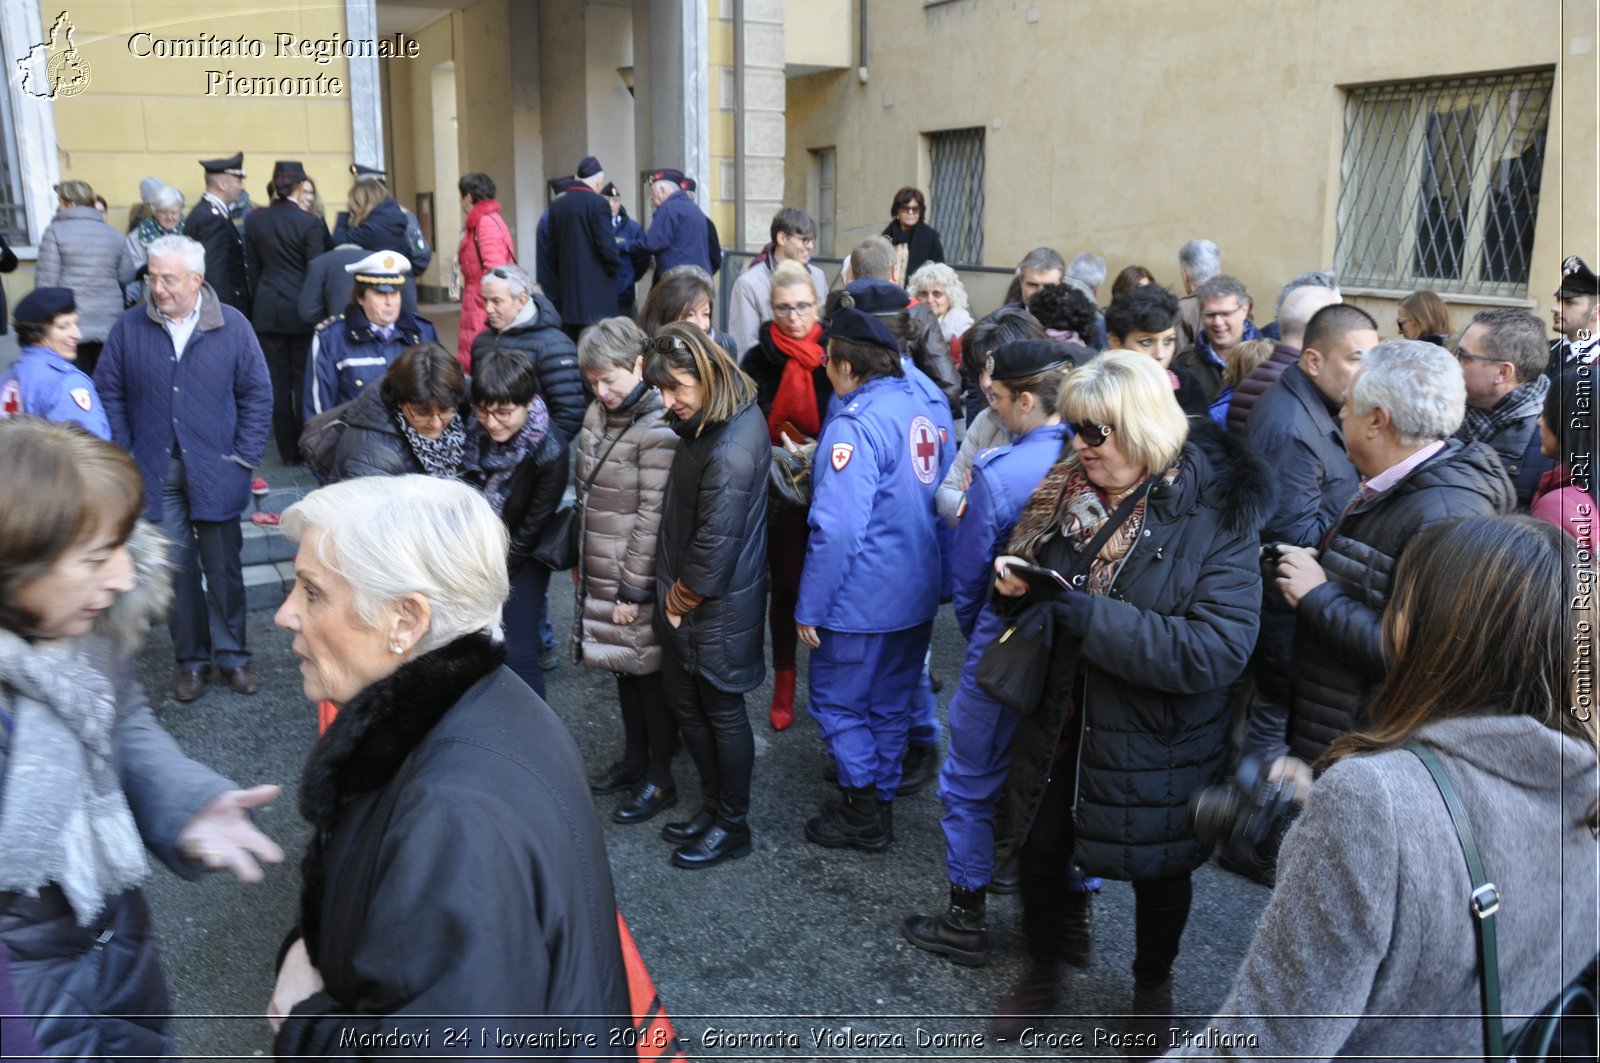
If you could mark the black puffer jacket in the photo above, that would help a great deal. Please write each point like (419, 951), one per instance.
(713, 537)
(371, 443)
(536, 487)
(1158, 653)
(555, 361)
(456, 868)
(1338, 647)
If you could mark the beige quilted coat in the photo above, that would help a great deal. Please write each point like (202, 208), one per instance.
(618, 517)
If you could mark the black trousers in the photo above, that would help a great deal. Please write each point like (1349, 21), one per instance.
(286, 365)
(1266, 725)
(207, 622)
(1161, 906)
(88, 356)
(716, 732)
(648, 728)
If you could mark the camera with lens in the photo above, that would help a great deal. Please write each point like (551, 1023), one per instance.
(1247, 817)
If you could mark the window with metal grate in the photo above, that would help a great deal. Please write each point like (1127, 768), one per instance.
(955, 195)
(1441, 183)
(13, 206)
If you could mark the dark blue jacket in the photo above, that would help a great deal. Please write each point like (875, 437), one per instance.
(388, 228)
(870, 562)
(43, 383)
(677, 236)
(628, 232)
(216, 402)
(348, 353)
(1313, 478)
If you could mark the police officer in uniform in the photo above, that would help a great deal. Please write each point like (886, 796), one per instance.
(211, 223)
(870, 586)
(1576, 316)
(43, 381)
(1026, 375)
(355, 348)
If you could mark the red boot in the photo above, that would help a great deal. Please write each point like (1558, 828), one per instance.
(781, 713)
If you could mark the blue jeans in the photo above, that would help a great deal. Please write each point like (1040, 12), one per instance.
(523, 616)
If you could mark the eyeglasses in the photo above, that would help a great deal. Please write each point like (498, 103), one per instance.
(792, 311)
(427, 415)
(1462, 356)
(1220, 314)
(668, 344)
(497, 414)
(908, 208)
(1092, 434)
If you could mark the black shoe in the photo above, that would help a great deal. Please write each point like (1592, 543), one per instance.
(615, 778)
(689, 830)
(1033, 998)
(855, 823)
(960, 933)
(1077, 930)
(650, 800)
(1006, 879)
(722, 842)
(918, 768)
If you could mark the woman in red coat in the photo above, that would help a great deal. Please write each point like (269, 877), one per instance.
(485, 243)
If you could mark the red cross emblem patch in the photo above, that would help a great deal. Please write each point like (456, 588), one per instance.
(81, 397)
(10, 398)
(841, 455)
(924, 440)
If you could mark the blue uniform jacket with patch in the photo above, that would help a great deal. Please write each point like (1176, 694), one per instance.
(348, 353)
(44, 384)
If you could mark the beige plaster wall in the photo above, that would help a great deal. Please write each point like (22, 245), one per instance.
(1127, 127)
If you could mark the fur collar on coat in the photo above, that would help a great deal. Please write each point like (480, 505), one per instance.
(128, 620)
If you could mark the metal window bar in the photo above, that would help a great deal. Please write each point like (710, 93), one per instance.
(13, 207)
(955, 194)
(1441, 183)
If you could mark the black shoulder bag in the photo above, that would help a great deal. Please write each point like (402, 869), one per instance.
(1565, 1027)
(1012, 668)
(557, 548)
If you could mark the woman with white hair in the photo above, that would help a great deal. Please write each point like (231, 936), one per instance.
(456, 865)
(162, 216)
(940, 287)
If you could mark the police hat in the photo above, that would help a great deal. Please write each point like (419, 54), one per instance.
(588, 166)
(667, 174)
(610, 189)
(559, 185)
(384, 271)
(687, 184)
(1577, 279)
(878, 297)
(358, 171)
(43, 305)
(858, 326)
(1021, 359)
(286, 173)
(233, 164)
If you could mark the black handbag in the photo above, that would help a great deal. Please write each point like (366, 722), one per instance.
(1012, 669)
(1565, 1027)
(557, 548)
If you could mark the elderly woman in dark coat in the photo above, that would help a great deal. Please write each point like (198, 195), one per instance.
(1159, 620)
(711, 580)
(409, 423)
(88, 779)
(456, 866)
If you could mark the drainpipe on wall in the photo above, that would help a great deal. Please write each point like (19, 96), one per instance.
(738, 124)
(861, 70)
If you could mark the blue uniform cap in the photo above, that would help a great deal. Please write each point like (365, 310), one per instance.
(856, 326)
(878, 297)
(43, 305)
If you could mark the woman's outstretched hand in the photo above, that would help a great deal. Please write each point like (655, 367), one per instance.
(222, 837)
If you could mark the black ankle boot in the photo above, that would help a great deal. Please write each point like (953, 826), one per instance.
(689, 830)
(918, 768)
(960, 933)
(854, 823)
(723, 841)
(1033, 998)
(1152, 1017)
(1077, 931)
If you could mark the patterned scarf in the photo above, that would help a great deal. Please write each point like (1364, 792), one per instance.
(442, 457)
(149, 229)
(1526, 400)
(499, 460)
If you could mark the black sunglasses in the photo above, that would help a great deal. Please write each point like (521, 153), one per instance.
(1092, 434)
(668, 344)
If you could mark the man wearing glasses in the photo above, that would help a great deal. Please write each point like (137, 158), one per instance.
(1225, 308)
(357, 347)
(1502, 356)
(794, 235)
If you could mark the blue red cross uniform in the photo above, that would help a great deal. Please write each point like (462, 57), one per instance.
(871, 582)
(974, 770)
(925, 708)
(44, 384)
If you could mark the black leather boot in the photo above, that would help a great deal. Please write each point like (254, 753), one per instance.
(1152, 1018)
(1077, 931)
(1034, 998)
(854, 823)
(918, 768)
(723, 841)
(960, 933)
(689, 830)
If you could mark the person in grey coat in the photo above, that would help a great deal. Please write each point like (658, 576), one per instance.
(1368, 946)
(88, 779)
(80, 251)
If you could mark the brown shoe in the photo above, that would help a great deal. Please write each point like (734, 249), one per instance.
(191, 684)
(241, 680)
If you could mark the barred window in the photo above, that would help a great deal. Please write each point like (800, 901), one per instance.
(1441, 183)
(13, 204)
(955, 194)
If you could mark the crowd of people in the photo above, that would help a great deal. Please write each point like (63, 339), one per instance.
(1177, 544)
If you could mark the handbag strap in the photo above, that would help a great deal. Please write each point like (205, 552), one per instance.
(1119, 516)
(1485, 902)
(588, 483)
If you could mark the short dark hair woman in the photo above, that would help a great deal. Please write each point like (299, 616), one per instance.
(711, 580)
(520, 465)
(409, 423)
(914, 240)
(88, 779)
(1486, 672)
(1161, 618)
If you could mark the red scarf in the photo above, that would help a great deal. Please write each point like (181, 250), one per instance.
(796, 400)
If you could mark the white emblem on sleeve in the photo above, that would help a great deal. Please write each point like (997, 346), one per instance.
(924, 441)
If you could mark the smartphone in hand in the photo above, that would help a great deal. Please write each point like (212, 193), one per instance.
(1038, 575)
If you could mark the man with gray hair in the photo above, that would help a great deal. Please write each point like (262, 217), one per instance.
(186, 390)
(677, 235)
(1089, 270)
(1198, 261)
(1317, 278)
(1225, 308)
(521, 319)
(1399, 419)
(1503, 354)
(1039, 268)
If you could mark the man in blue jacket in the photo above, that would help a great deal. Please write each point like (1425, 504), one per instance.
(678, 232)
(870, 586)
(186, 391)
(44, 381)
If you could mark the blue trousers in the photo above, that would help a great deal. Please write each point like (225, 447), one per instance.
(207, 620)
(971, 779)
(523, 615)
(863, 696)
(924, 709)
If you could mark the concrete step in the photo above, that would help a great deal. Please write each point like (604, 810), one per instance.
(266, 585)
